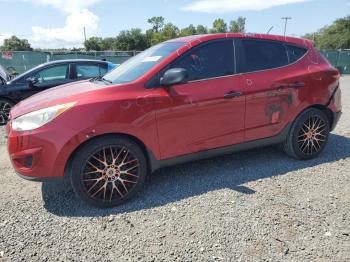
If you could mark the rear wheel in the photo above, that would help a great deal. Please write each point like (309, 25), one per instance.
(5, 108)
(308, 135)
(108, 171)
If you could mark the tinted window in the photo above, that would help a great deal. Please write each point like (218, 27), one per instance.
(87, 71)
(261, 55)
(52, 74)
(210, 60)
(103, 70)
(137, 66)
(295, 53)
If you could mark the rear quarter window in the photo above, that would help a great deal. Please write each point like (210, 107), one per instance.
(295, 53)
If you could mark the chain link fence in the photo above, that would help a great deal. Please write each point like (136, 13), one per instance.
(339, 58)
(19, 62)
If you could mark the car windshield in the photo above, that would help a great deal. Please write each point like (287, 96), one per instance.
(137, 66)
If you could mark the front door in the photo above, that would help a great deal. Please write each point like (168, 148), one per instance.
(206, 112)
(47, 78)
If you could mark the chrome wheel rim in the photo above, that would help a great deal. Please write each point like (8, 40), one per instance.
(110, 174)
(312, 135)
(5, 109)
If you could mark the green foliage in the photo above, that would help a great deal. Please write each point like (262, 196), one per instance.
(219, 26)
(15, 44)
(157, 23)
(190, 30)
(132, 39)
(237, 26)
(335, 36)
(93, 44)
(201, 30)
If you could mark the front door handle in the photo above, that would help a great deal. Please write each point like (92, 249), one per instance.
(297, 84)
(232, 94)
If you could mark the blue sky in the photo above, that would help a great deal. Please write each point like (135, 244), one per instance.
(59, 23)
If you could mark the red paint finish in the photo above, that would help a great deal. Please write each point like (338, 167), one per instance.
(177, 120)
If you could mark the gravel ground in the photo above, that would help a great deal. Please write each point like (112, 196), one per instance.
(254, 205)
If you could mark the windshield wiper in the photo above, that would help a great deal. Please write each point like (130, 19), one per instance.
(101, 78)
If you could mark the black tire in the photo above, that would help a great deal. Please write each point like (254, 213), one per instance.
(116, 174)
(308, 135)
(5, 108)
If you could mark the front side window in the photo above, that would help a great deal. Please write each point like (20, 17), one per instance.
(140, 64)
(259, 55)
(52, 74)
(88, 71)
(210, 60)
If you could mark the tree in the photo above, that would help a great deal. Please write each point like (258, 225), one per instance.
(170, 31)
(190, 30)
(237, 26)
(15, 44)
(335, 36)
(157, 23)
(108, 43)
(132, 39)
(219, 26)
(93, 44)
(201, 30)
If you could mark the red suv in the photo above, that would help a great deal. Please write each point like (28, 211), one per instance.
(181, 100)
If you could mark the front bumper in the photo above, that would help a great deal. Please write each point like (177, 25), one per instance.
(41, 154)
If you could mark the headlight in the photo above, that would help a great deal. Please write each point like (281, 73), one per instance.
(39, 118)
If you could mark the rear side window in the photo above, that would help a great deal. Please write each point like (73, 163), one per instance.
(259, 55)
(295, 53)
(214, 59)
(87, 70)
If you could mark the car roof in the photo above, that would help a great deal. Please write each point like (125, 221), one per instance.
(204, 38)
(73, 61)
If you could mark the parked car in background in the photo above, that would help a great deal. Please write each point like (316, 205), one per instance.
(181, 100)
(4, 75)
(46, 76)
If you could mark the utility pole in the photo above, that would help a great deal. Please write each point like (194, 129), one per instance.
(84, 34)
(285, 24)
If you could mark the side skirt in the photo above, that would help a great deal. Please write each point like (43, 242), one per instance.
(158, 164)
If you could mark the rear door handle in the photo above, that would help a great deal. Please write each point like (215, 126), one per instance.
(232, 94)
(297, 85)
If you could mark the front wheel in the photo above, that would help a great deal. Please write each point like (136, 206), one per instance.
(108, 171)
(5, 108)
(308, 135)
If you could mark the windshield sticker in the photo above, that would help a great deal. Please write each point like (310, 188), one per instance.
(151, 59)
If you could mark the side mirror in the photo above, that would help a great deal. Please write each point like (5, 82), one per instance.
(174, 76)
(32, 81)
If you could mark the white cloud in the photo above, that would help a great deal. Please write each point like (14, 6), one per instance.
(70, 35)
(68, 6)
(222, 6)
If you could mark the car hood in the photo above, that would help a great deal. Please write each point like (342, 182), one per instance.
(73, 92)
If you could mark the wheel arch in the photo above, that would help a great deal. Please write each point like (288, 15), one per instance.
(326, 111)
(148, 154)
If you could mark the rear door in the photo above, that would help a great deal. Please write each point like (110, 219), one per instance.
(272, 79)
(206, 112)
